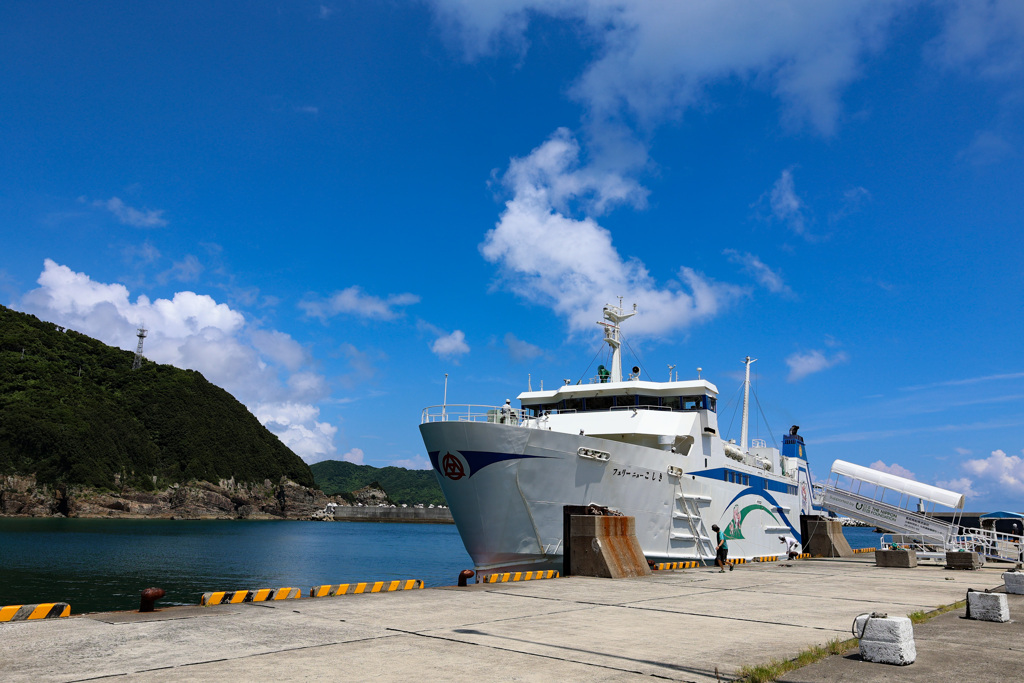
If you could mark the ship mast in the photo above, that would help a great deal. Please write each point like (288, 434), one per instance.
(746, 402)
(614, 315)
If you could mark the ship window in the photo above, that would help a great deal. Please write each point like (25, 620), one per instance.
(693, 402)
(648, 400)
(670, 402)
(599, 402)
(712, 403)
(573, 404)
(626, 400)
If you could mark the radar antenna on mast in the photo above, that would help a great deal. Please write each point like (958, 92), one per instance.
(613, 315)
(137, 363)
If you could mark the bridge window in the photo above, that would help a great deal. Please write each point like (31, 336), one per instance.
(599, 402)
(712, 403)
(648, 400)
(670, 402)
(573, 404)
(693, 402)
(626, 400)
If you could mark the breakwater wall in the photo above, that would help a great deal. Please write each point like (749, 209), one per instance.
(389, 514)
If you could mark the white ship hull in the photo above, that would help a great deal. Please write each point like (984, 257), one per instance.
(506, 485)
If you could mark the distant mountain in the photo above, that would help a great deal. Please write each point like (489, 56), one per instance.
(402, 486)
(73, 411)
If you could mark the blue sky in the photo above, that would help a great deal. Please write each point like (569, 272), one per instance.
(326, 207)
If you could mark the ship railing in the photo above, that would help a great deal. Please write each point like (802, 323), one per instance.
(464, 412)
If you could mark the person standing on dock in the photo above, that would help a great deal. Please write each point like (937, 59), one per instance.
(722, 550)
(791, 547)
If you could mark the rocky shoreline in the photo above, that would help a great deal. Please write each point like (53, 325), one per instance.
(22, 496)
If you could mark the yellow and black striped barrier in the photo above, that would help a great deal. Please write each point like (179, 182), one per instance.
(676, 565)
(863, 550)
(766, 558)
(258, 595)
(43, 610)
(365, 587)
(803, 556)
(738, 560)
(520, 576)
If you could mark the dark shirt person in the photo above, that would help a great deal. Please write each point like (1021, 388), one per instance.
(721, 550)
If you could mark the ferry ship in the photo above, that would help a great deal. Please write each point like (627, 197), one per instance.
(650, 450)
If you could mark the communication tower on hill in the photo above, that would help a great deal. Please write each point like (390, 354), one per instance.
(137, 363)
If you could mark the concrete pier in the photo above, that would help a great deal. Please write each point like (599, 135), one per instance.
(688, 625)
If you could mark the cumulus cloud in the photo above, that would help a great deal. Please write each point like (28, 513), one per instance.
(894, 469)
(756, 268)
(139, 218)
(417, 462)
(449, 345)
(355, 455)
(353, 301)
(998, 473)
(659, 58)
(264, 369)
(804, 363)
(548, 257)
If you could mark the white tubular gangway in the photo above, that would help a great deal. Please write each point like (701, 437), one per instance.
(897, 504)
(886, 501)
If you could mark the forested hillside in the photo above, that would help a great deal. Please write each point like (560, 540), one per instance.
(401, 485)
(73, 411)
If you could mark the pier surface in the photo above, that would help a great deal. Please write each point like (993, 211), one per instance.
(688, 625)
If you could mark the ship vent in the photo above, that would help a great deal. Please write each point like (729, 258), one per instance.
(593, 454)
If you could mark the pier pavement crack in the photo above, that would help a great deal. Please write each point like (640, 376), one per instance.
(727, 618)
(230, 659)
(672, 667)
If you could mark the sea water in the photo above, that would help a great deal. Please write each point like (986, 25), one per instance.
(104, 564)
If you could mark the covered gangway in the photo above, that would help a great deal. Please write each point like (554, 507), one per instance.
(895, 503)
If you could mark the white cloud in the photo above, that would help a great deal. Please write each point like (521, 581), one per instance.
(982, 35)
(453, 344)
(549, 258)
(1006, 471)
(806, 363)
(521, 350)
(785, 206)
(186, 270)
(987, 148)
(139, 218)
(355, 455)
(264, 369)
(354, 301)
(417, 462)
(657, 59)
(755, 267)
(894, 469)
(962, 485)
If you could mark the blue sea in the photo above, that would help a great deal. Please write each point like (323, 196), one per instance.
(103, 564)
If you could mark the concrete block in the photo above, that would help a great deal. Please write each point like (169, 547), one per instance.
(606, 546)
(886, 640)
(1014, 582)
(959, 560)
(904, 558)
(988, 607)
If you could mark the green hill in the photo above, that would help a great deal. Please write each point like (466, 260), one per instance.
(402, 486)
(73, 411)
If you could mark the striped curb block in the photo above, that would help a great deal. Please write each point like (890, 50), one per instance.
(738, 560)
(803, 556)
(766, 558)
(258, 595)
(676, 565)
(43, 610)
(365, 587)
(520, 576)
(863, 550)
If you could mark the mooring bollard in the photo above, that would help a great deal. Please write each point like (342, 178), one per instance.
(983, 606)
(885, 639)
(149, 598)
(464, 576)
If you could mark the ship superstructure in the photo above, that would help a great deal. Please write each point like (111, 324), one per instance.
(649, 449)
